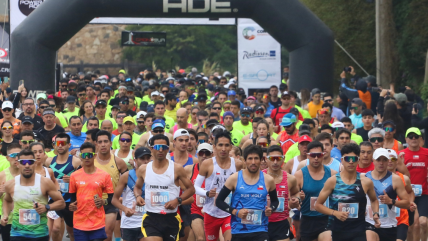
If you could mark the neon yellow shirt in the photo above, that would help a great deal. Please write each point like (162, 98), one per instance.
(135, 139)
(172, 114)
(236, 136)
(67, 114)
(357, 138)
(240, 127)
(61, 118)
(85, 129)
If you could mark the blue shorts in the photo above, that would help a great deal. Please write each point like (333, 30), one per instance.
(99, 234)
(296, 215)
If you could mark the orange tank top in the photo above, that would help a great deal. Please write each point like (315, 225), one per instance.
(395, 146)
(366, 98)
(404, 215)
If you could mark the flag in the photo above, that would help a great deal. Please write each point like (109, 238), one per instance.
(260, 187)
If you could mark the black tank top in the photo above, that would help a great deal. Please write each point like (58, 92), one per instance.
(363, 133)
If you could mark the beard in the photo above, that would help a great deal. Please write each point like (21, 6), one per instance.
(27, 175)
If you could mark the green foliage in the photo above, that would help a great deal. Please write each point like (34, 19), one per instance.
(188, 46)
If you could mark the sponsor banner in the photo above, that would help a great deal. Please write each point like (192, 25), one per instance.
(20, 9)
(167, 21)
(4, 70)
(143, 38)
(259, 57)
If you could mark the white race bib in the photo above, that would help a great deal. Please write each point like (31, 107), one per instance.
(254, 217)
(29, 217)
(417, 189)
(314, 201)
(351, 208)
(63, 186)
(159, 199)
(200, 200)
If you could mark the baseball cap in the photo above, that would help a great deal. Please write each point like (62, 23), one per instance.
(288, 120)
(304, 129)
(122, 71)
(7, 104)
(338, 124)
(251, 98)
(205, 146)
(142, 151)
(27, 119)
(392, 153)
(100, 102)
(158, 123)
(201, 97)
(41, 96)
(210, 87)
(141, 113)
(71, 99)
(304, 138)
(124, 98)
(285, 93)
(180, 132)
(228, 113)
(247, 110)
(294, 111)
(155, 93)
(217, 127)
(129, 88)
(231, 92)
(357, 101)
(259, 108)
(115, 107)
(128, 118)
(381, 152)
(388, 122)
(8, 90)
(400, 98)
(212, 122)
(413, 130)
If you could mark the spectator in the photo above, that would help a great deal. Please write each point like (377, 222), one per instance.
(316, 103)
(356, 109)
(7, 110)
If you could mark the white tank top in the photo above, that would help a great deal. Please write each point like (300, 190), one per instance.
(128, 201)
(126, 159)
(295, 164)
(28, 194)
(387, 222)
(217, 180)
(160, 189)
(150, 137)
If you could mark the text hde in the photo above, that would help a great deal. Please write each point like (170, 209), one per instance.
(187, 6)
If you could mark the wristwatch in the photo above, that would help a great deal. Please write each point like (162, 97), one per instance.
(47, 207)
(179, 201)
(374, 213)
(393, 201)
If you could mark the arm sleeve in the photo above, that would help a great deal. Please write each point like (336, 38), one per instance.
(380, 105)
(73, 197)
(417, 122)
(220, 203)
(110, 197)
(198, 186)
(274, 202)
(16, 100)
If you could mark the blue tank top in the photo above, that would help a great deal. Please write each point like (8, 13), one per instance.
(250, 197)
(334, 165)
(344, 193)
(132, 179)
(60, 170)
(383, 184)
(312, 188)
(189, 161)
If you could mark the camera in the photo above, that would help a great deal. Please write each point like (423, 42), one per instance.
(347, 69)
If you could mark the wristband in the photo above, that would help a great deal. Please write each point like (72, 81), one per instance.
(207, 193)
(237, 211)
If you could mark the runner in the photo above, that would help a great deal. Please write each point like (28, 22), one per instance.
(347, 192)
(390, 142)
(228, 118)
(182, 118)
(311, 179)
(286, 187)
(161, 178)
(365, 163)
(27, 198)
(343, 137)
(125, 152)
(87, 186)
(388, 187)
(158, 127)
(131, 213)
(39, 152)
(249, 207)
(291, 166)
(215, 171)
(62, 165)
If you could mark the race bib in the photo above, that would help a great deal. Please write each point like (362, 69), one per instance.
(280, 208)
(314, 201)
(254, 217)
(29, 217)
(351, 208)
(200, 201)
(228, 200)
(417, 189)
(52, 215)
(159, 199)
(63, 186)
(383, 211)
(397, 212)
(139, 210)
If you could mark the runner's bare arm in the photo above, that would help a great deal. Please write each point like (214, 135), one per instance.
(2, 183)
(188, 185)
(76, 162)
(322, 197)
(401, 192)
(121, 165)
(188, 170)
(48, 161)
(140, 180)
(368, 186)
(247, 143)
(8, 201)
(293, 192)
(333, 172)
(288, 166)
(409, 189)
(143, 140)
(401, 167)
(301, 165)
(239, 165)
(53, 179)
(299, 179)
(51, 190)
(121, 185)
(243, 140)
(195, 160)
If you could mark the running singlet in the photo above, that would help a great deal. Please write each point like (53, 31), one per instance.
(287, 141)
(295, 165)
(175, 128)
(199, 202)
(404, 214)
(59, 171)
(129, 201)
(312, 189)
(386, 212)
(126, 159)
(416, 162)
(217, 180)
(334, 164)
(282, 192)
(160, 189)
(26, 221)
(253, 198)
(112, 170)
(348, 198)
(366, 169)
(189, 160)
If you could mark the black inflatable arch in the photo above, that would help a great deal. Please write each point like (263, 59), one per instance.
(35, 41)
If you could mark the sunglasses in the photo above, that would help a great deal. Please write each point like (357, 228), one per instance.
(388, 129)
(52, 106)
(61, 143)
(125, 140)
(130, 92)
(82, 95)
(7, 109)
(260, 111)
(329, 100)
(354, 108)
(140, 122)
(263, 144)
(43, 107)
(158, 131)
(215, 108)
(275, 158)
(393, 159)
(165, 91)
(413, 136)
(27, 142)
(120, 117)
(245, 115)
(204, 126)
(7, 127)
(125, 102)
(64, 86)
(158, 147)
(13, 155)
(201, 141)
(25, 162)
(204, 153)
(350, 158)
(285, 98)
(87, 155)
(374, 139)
(191, 88)
(316, 154)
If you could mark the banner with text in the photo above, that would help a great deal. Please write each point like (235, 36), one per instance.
(259, 57)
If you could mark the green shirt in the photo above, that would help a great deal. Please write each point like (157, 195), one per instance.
(85, 129)
(169, 123)
(172, 114)
(305, 114)
(4, 163)
(240, 127)
(236, 136)
(67, 114)
(51, 153)
(292, 152)
(61, 119)
(357, 138)
(135, 139)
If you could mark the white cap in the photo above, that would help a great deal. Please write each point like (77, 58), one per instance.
(205, 78)
(205, 146)
(218, 127)
(231, 81)
(338, 124)
(381, 152)
(155, 93)
(7, 104)
(141, 113)
(392, 153)
(161, 95)
(181, 132)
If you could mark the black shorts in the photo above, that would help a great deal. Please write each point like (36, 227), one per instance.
(166, 226)
(385, 234)
(196, 216)
(66, 214)
(259, 236)
(422, 203)
(348, 236)
(130, 234)
(411, 217)
(402, 231)
(279, 230)
(118, 216)
(5, 232)
(19, 238)
(185, 215)
(110, 208)
(312, 227)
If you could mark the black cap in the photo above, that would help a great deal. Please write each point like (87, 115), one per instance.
(201, 97)
(174, 91)
(294, 111)
(212, 122)
(152, 87)
(170, 96)
(115, 107)
(124, 98)
(247, 110)
(100, 102)
(143, 106)
(388, 122)
(240, 91)
(304, 129)
(129, 88)
(282, 87)
(259, 108)
(27, 119)
(71, 99)
(142, 151)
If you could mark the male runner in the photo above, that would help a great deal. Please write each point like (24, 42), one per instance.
(286, 187)
(365, 164)
(131, 213)
(114, 166)
(215, 172)
(343, 137)
(158, 127)
(161, 179)
(249, 207)
(327, 141)
(291, 134)
(27, 198)
(311, 179)
(87, 185)
(63, 165)
(388, 186)
(347, 193)
(182, 118)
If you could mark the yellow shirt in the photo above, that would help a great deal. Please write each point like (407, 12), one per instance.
(313, 109)
(172, 114)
